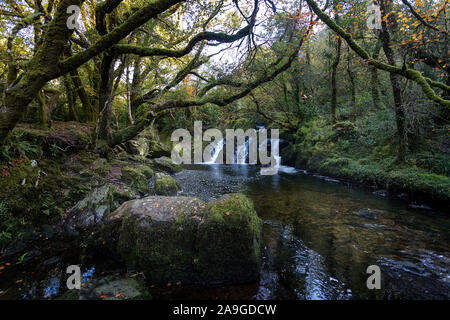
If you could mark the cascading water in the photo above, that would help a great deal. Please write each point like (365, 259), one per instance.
(242, 153)
(216, 152)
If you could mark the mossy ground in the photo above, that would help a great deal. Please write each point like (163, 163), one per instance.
(348, 152)
(138, 178)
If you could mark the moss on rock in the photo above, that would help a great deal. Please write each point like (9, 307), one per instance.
(156, 235)
(136, 178)
(229, 241)
(174, 239)
(166, 164)
(165, 185)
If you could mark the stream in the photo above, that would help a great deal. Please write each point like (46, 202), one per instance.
(321, 235)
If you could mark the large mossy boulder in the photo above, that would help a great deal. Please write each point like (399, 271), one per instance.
(183, 239)
(166, 164)
(165, 185)
(229, 241)
(157, 235)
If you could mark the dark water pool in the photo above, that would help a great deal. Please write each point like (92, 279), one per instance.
(320, 236)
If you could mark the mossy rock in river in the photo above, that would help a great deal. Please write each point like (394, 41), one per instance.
(229, 241)
(166, 164)
(137, 178)
(156, 235)
(181, 239)
(165, 185)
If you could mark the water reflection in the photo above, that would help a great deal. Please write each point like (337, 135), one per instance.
(320, 237)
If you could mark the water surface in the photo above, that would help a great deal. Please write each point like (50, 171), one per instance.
(320, 236)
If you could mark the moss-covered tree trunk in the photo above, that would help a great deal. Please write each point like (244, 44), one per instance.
(43, 117)
(374, 80)
(334, 68)
(84, 98)
(71, 99)
(104, 101)
(395, 81)
(351, 75)
(42, 68)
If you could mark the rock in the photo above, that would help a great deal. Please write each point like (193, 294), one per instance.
(156, 235)
(157, 150)
(165, 185)
(14, 248)
(50, 262)
(91, 210)
(381, 193)
(111, 288)
(137, 179)
(180, 239)
(137, 146)
(166, 164)
(229, 241)
(370, 214)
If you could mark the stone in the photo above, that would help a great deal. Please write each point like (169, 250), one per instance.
(91, 210)
(165, 185)
(229, 241)
(156, 235)
(131, 287)
(370, 214)
(183, 239)
(166, 164)
(137, 146)
(136, 179)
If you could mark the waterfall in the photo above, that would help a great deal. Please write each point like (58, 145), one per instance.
(216, 152)
(242, 152)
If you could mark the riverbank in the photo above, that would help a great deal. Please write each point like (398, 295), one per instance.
(422, 178)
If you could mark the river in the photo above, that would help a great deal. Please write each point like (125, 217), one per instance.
(320, 236)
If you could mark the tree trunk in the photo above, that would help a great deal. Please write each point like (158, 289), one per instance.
(104, 103)
(395, 83)
(84, 98)
(333, 81)
(374, 80)
(351, 75)
(43, 119)
(70, 99)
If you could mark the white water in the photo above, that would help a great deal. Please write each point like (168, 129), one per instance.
(217, 150)
(242, 155)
